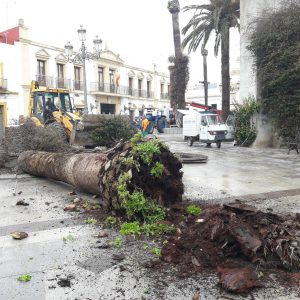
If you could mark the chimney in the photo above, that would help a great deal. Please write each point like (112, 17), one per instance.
(23, 30)
(21, 22)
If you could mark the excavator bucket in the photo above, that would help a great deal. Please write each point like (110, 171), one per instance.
(82, 129)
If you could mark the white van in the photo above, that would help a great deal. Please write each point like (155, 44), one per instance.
(205, 127)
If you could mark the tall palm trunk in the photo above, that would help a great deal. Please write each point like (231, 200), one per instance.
(176, 35)
(225, 73)
(179, 70)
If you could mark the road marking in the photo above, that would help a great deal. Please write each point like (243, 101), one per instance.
(41, 225)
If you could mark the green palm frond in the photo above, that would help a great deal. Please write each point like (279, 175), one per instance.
(208, 7)
(216, 17)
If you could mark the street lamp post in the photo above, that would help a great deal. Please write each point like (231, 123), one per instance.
(82, 56)
(204, 54)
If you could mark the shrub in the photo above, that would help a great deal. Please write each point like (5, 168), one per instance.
(111, 130)
(275, 44)
(245, 131)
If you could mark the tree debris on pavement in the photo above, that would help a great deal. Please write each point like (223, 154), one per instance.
(231, 237)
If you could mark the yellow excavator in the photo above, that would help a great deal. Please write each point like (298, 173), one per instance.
(52, 107)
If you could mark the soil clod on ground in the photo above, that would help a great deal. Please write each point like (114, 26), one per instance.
(238, 280)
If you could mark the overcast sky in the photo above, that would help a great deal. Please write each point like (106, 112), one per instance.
(139, 30)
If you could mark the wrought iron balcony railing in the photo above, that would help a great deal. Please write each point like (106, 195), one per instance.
(3, 84)
(120, 90)
(164, 96)
(77, 85)
(44, 80)
(63, 83)
(109, 88)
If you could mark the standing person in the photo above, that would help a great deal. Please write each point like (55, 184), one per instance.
(145, 126)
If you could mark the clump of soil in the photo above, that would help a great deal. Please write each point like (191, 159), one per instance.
(164, 190)
(233, 236)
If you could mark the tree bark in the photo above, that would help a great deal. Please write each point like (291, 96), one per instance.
(176, 35)
(79, 170)
(179, 75)
(98, 173)
(225, 73)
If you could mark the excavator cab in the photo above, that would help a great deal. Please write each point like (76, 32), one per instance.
(52, 107)
(45, 103)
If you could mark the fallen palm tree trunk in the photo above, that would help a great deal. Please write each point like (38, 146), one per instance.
(79, 170)
(145, 166)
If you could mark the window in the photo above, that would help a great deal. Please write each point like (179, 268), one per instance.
(37, 109)
(149, 89)
(130, 85)
(60, 75)
(41, 72)
(112, 80)
(65, 102)
(108, 109)
(140, 87)
(168, 90)
(41, 67)
(214, 120)
(100, 79)
(161, 88)
(77, 77)
(60, 70)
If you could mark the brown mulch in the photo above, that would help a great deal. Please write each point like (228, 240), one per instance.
(234, 239)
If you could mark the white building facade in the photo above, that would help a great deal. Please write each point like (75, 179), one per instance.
(113, 87)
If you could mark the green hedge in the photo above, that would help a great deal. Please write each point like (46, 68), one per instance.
(245, 132)
(275, 44)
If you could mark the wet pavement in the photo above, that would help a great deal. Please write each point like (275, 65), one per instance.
(269, 178)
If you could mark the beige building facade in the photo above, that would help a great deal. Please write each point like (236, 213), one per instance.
(113, 87)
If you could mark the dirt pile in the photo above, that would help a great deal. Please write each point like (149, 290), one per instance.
(233, 235)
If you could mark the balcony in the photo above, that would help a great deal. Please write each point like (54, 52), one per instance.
(3, 85)
(109, 88)
(44, 80)
(142, 93)
(63, 83)
(164, 96)
(119, 90)
(77, 85)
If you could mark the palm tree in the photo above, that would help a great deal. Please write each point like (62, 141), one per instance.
(179, 73)
(174, 9)
(218, 16)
